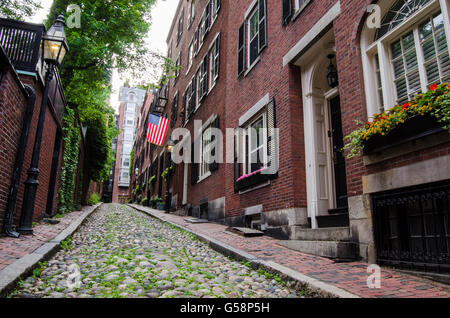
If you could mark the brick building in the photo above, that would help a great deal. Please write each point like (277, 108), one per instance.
(131, 103)
(268, 64)
(21, 89)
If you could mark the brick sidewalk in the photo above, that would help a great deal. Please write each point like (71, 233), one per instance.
(12, 249)
(351, 277)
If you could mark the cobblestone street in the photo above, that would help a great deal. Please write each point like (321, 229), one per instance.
(122, 253)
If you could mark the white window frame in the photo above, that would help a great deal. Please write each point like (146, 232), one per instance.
(205, 153)
(191, 14)
(254, 11)
(214, 55)
(247, 166)
(191, 54)
(370, 48)
(177, 72)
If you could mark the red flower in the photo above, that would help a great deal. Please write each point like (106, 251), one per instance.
(405, 106)
(433, 87)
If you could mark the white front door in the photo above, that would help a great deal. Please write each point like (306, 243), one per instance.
(322, 155)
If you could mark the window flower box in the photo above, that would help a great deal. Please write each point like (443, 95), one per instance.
(413, 128)
(427, 114)
(252, 179)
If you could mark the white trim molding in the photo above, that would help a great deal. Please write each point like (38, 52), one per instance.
(312, 34)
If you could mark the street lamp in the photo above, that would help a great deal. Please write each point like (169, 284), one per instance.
(332, 74)
(169, 148)
(54, 48)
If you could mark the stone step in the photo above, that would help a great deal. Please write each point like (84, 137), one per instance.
(325, 234)
(332, 220)
(329, 249)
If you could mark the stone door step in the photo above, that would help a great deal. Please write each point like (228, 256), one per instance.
(196, 220)
(325, 234)
(245, 231)
(330, 249)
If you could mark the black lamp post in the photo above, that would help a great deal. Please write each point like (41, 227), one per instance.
(170, 146)
(332, 74)
(54, 46)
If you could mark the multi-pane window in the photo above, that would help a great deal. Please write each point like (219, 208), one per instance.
(405, 68)
(206, 21)
(180, 27)
(379, 83)
(202, 79)
(405, 62)
(214, 62)
(255, 142)
(205, 152)
(435, 50)
(177, 68)
(253, 37)
(191, 13)
(253, 32)
(191, 53)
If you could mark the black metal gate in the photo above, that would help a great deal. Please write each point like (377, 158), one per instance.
(412, 227)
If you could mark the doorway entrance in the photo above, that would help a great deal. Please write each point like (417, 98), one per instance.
(338, 158)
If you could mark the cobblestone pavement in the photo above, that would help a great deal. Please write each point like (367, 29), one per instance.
(120, 252)
(348, 276)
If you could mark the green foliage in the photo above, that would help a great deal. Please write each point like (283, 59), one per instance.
(71, 138)
(131, 162)
(111, 36)
(94, 199)
(66, 244)
(135, 191)
(38, 270)
(18, 9)
(166, 173)
(150, 181)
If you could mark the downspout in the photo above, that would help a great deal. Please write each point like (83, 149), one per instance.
(12, 198)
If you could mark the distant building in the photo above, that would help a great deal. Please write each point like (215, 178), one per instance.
(131, 102)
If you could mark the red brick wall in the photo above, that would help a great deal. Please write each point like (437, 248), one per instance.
(13, 104)
(46, 154)
(233, 96)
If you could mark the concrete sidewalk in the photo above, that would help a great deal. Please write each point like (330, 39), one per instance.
(344, 280)
(18, 257)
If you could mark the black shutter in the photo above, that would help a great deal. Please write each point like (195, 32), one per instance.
(214, 165)
(196, 42)
(287, 10)
(237, 164)
(208, 16)
(218, 5)
(184, 112)
(262, 25)
(217, 63)
(206, 75)
(194, 167)
(241, 50)
(272, 141)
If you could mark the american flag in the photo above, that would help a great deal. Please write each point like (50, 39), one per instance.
(157, 129)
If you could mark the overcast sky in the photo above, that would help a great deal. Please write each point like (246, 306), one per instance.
(162, 15)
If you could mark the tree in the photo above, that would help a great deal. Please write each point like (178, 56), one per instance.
(18, 9)
(112, 35)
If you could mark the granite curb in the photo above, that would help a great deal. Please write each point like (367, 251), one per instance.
(11, 274)
(315, 286)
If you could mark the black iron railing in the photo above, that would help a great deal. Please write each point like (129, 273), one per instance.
(21, 42)
(412, 227)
